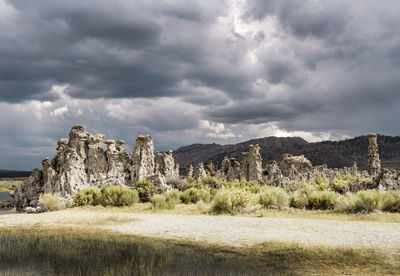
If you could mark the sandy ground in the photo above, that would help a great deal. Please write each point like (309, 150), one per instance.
(228, 230)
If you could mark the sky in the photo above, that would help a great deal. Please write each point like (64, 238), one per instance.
(195, 71)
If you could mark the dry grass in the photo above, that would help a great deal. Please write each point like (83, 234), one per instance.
(93, 252)
(9, 185)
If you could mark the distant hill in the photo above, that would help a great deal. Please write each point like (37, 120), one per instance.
(12, 174)
(335, 154)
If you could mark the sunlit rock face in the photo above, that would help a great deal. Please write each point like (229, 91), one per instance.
(252, 164)
(81, 162)
(199, 172)
(374, 163)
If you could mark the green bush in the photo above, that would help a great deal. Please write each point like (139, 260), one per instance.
(159, 202)
(172, 198)
(345, 183)
(50, 202)
(145, 190)
(274, 198)
(346, 203)
(240, 199)
(210, 182)
(298, 200)
(222, 202)
(391, 201)
(88, 196)
(118, 196)
(368, 201)
(193, 195)
(293, 186)
(322, 200)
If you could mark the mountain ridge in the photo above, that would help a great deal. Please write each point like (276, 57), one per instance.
(335, 154)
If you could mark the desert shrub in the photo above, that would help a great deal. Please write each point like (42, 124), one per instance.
(50, 202)
(345, 183)
(210, 182)
(88, 196)
(118, 196)
(145, 190)
(159, 202)
(172, 198)
(274, 198)
(222, 202)
(391, 201)
(322, 200)
(293, 186)
(368, 201)
(298, 200)
(239, 198)
(321, 183)
(346, 203)
(193, 195)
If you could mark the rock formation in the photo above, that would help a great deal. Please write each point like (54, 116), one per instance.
(211, 169)
(230, 169)
(374, 164)
(81, 161)
(199, 172)
(190, 171)
(252, 164)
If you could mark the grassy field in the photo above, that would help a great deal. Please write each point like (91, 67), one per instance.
(8, 185)
(93, 252)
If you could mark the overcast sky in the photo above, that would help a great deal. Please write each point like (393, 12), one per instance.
(195, 71)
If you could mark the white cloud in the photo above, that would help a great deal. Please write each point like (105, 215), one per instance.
(61, 111)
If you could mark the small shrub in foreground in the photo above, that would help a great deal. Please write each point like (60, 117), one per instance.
(118, 196)
(159, 202)
(391, 201)
(274, 198)
(145, 190)
(322, 200)
(239, 199)
(222, 202)
(298, 200)
(50, 202)
(172, 198)
(193, 195)
(88, 196)
(368, 201)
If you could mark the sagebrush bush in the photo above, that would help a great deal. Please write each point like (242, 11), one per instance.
(368, 201)
(345, 183)
(159, 202)
(293, 186)
(193, 195)
(50, 202)
(172, 198)
(274, 198)
(145, 190)
(346, 203)
(88, 196)
(298, 200)
(222, 202)
(239, 199)
(210, 182)
(118, 196)
(322, 200)
(391, 201)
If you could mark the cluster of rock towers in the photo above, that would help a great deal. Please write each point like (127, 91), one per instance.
(81, 161)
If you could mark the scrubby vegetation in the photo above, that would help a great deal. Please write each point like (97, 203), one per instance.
(240, 196)
(50, 202)
(9, 185)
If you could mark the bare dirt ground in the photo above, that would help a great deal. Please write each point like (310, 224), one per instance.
(226, 230)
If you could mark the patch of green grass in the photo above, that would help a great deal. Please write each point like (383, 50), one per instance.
(9, 185)
(95, 252)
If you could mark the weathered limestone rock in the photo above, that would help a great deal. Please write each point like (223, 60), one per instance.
(81, 161)
(388, 180)
(374, 164)
(143, 158)
(292, 163)
(190, 172)
(199, 172)
(165, 165)
(252, 164)
(211, 170)
(230, 169)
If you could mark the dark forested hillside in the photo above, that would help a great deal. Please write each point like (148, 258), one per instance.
(335, 154)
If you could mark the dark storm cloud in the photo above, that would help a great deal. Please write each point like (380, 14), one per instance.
(188, 71)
